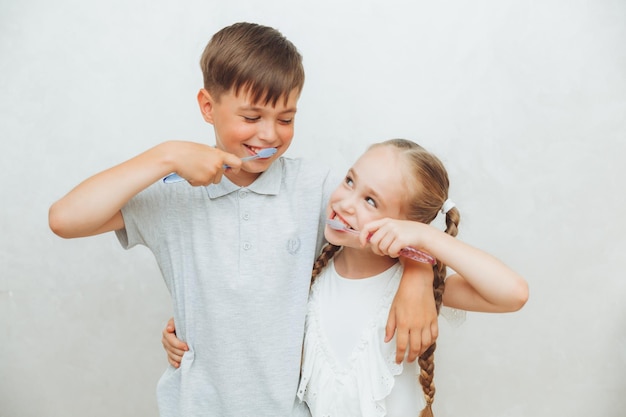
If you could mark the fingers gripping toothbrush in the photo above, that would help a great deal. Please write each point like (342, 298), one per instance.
(408, 252)
(263, 154)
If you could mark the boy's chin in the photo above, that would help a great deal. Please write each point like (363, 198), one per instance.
(256, 167)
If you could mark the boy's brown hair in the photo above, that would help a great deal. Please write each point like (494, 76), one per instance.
(252, 59)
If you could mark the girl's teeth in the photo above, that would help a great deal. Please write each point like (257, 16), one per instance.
(342, 221)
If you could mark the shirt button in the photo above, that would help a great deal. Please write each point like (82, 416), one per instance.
(246, 216)
(247, 246)
(243, 194)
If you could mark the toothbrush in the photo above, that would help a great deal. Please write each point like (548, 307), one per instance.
(263, 154)
(408, 252)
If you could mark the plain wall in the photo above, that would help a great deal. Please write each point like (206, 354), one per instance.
(524, 101)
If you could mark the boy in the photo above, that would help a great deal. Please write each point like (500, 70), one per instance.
(234, 247)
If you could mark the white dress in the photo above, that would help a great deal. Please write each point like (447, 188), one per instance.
(347, 368)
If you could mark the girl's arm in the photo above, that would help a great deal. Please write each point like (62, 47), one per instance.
(413, 316)
(481, 283)
(174, 347)
(93, 207)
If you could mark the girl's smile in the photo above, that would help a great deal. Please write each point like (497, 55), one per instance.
(367, 194)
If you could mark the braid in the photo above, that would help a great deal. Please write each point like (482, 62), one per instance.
(327, 254)
(427, 189)
(427, 359)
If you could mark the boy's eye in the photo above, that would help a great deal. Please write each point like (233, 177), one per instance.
(349, 181)
(370, 201)
(251, 119)
(285, 121)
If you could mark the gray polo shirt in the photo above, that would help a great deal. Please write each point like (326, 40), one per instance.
(237, 262)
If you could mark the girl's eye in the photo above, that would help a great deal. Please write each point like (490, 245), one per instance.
(370, 201)
(285, 121)
(349, 181)
(251, 119)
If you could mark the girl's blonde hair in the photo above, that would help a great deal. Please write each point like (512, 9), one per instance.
(428, 185)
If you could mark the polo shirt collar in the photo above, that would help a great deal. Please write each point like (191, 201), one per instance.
(268, 183)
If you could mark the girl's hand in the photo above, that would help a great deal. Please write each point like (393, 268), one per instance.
(174, 347)
(389, 236)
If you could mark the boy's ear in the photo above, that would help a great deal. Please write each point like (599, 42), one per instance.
(206, 103)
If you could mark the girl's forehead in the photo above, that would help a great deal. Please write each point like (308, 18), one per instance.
(383, 162)
(383, 170)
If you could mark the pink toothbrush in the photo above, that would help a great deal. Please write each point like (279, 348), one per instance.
(408, 252)
(263, 154)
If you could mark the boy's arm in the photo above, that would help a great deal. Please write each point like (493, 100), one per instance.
(413, 316)
(94, 206)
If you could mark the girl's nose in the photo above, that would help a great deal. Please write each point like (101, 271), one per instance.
(347, 204)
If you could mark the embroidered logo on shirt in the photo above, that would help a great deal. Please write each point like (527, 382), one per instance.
(293, 245)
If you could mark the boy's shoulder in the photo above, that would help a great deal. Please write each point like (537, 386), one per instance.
(301, 165)
(307, 174)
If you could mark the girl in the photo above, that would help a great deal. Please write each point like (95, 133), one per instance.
(390, 195)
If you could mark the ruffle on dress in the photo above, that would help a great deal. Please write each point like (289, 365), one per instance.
(359, 389)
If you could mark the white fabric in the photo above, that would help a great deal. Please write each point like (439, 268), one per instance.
(447, 206)
(348, 370)
(237, 262)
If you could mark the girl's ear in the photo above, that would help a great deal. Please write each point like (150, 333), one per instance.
(207, 104)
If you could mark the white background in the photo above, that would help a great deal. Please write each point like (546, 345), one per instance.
(524, 101)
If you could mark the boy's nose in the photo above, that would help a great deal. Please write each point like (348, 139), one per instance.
(267, 132)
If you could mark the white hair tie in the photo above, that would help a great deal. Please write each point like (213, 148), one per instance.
(447, 206)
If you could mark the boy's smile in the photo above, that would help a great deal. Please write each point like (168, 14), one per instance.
(243, 128)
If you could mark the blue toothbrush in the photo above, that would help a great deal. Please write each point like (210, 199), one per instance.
(263, 154)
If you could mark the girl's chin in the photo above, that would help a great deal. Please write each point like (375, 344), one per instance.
(340, 238)
(331, 237)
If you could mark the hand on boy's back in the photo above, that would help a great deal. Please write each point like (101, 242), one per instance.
(202, 164)
(174, 347)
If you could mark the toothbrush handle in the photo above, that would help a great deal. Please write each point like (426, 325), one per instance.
(417, 255)
(265, 153)
(408, 252)
(173, 178)
(177, 178)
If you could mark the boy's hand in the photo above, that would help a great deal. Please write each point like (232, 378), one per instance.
(413, 315)
(172, 345)
(201, 164)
